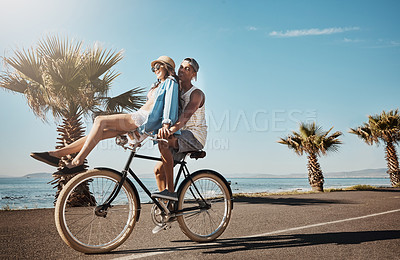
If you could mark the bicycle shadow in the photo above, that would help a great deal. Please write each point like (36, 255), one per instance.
(289, 201)
(302, 201)
(223, 246)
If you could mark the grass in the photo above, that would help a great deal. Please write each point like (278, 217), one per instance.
(362, 187)
(6, 207)
(263, 194)
(295, 192)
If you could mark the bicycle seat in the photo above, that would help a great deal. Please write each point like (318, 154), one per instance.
(197, 154)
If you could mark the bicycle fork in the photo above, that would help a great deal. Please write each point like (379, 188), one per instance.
(101, 210)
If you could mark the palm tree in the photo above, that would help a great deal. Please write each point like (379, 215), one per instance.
(61, 77)
(314, 142)
(384, 127)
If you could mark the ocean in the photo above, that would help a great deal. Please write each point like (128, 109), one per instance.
(30, 193)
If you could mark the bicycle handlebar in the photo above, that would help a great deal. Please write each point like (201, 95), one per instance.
(135, 142)
(155, 138)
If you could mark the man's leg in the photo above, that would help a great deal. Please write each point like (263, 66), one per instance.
(167, 162)
(160, 176)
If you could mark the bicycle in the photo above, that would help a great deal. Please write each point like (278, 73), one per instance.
(106, 220)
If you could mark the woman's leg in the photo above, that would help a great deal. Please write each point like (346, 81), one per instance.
(76, 146)
(102, 125)
(69, 149)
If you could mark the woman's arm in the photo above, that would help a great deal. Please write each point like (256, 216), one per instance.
(171, 106)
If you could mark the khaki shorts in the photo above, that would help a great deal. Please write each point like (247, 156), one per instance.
(186, 143)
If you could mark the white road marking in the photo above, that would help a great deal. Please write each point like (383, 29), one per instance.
(322, 224)
(138, 256)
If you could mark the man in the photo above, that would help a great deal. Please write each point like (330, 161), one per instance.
(193, 128)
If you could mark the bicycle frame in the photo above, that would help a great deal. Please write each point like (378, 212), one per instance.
(101, 209)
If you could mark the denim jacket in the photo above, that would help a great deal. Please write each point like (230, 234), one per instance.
(165, 109)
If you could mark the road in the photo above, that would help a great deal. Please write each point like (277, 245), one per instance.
(336, 225)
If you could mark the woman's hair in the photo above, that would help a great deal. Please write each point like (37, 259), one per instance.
(171, 73)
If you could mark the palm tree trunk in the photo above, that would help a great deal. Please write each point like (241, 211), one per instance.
(315, 177)
(69, 131)
(392, 164)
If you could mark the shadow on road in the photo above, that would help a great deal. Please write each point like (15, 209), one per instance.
(301, 240)
(391, 189)
(223, 246)
(288, 201)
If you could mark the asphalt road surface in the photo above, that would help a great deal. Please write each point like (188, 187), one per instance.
(336, 225)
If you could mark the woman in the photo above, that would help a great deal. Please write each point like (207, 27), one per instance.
(159, 111)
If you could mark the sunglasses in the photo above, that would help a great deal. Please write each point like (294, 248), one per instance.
(156, 67)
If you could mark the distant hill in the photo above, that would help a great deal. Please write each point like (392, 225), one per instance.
(366, 173)
(37, 175)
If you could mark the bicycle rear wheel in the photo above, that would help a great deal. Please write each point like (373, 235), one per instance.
(81, 226)
(205, 206)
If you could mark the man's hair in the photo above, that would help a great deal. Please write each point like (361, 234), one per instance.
(193, 63)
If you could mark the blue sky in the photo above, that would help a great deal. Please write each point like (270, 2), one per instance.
(264, 66)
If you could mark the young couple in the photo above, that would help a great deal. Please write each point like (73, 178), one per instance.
(185, 131)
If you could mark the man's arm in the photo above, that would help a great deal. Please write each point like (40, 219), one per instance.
(196, 100)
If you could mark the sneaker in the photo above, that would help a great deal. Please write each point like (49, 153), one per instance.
(46, 158)
(68, 171)
(157, 228)
(165, 194)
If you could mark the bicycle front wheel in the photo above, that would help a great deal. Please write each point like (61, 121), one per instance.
(79, 222)
(204, 206)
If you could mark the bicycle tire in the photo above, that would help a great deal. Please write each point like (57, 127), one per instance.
(207, 224)
(81, 228)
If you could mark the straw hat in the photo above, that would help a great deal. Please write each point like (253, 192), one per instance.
(164, 59)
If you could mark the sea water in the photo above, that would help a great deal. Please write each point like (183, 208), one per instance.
(28, 193)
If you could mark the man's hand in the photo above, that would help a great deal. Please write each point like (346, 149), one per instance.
(164, 132)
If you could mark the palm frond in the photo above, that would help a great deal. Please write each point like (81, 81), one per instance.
(331, 143)
(128, 101)
(98, 61)
(13, 83)
(105, 83)
(311, 139)
(54, 47)
(293, 143)
(58, 77)
(28, 63)
(38, 100)
(365, 133)
(65, 75)
(381, 127)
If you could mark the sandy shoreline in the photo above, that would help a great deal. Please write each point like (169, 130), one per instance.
(238, 194)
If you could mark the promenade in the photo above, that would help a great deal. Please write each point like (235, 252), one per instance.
(336, 225)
